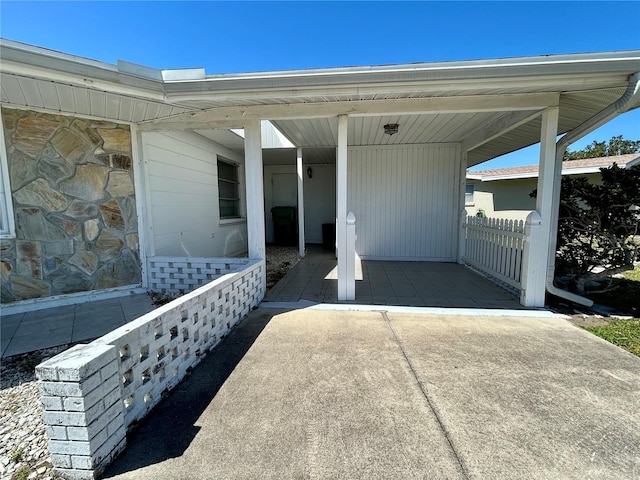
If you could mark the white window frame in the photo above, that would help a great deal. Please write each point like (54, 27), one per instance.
(7, 222)
(469, 196)
(237, 182)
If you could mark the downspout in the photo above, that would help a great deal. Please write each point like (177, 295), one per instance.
(628, 101)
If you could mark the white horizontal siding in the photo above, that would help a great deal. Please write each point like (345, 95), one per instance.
(182, 175)
(404, 199)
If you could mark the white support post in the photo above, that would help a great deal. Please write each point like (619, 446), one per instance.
(254, 191)
(462, 235)
(533, 273)
(462, 212)
(145, 239)
(341, 206)
(549, 180)
(350, 280)
(300, 202)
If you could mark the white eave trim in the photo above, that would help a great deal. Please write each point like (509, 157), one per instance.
(182, 82)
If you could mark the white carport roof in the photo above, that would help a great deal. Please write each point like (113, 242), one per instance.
(490, 106)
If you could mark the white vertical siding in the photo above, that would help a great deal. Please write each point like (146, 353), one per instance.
(404, 199)
(183, 184)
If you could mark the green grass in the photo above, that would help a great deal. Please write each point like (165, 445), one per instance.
(22, 473)
(16, 455)
(633, 274)
(624, 333)
(625, 295)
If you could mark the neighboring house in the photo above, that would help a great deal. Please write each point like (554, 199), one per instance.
(505, 192)
(112, 173)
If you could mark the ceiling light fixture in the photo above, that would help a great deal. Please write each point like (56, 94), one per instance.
(391, 128)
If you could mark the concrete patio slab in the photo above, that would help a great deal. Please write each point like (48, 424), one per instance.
(415, 284)
(315, 393)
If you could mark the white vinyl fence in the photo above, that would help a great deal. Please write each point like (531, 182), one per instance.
(495, 246)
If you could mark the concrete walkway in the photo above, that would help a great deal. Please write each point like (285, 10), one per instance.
(368, 395)
(50, 327)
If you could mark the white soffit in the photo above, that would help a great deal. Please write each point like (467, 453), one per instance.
(413, 129)
(224, 137)
(35, 93)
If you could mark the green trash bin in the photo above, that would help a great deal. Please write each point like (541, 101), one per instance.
(285, 229)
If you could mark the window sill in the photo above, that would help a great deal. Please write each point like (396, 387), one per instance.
(7, 236)
(232, 221)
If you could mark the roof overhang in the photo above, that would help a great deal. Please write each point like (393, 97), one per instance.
(490, 107)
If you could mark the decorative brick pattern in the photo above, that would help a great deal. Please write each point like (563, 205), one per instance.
(180, 275)
(93, 393)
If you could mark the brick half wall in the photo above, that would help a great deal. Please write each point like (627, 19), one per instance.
(93, 393)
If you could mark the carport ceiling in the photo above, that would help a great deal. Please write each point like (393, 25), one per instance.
(319, 136)
(575, 108)
(413, 129)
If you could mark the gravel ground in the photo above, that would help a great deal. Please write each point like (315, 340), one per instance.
(279, 262)
(23, 442)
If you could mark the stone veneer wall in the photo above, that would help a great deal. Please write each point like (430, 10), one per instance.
(74, 206)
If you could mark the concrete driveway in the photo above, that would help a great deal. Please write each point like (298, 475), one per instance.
(363, 395)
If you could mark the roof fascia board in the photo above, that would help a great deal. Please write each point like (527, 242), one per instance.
(556, 64)
(633, 162)
(413, 106)
(535, 74)
(74, 71)
(240, 93)
(514, 176)
(532, 71)
(17, 50)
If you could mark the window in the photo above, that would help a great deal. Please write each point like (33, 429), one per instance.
(6, 207)
(228, 189)
(468, 195)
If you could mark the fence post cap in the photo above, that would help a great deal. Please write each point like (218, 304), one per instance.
(351, 219)
(533, 219)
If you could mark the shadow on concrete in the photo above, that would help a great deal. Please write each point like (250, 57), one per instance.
(170, 428)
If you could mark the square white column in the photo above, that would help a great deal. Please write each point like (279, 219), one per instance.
(541, 251)
(300, 202)
(341, 206)
(254, 190)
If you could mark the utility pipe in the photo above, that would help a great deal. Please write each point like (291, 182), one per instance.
(628, 101)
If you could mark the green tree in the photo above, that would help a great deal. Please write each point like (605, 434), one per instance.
(615, 146)
(598, 226)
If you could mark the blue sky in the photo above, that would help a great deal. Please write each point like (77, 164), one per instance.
(227, 37)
